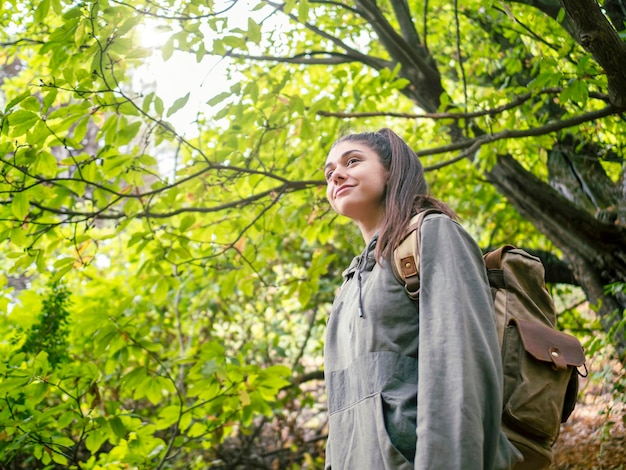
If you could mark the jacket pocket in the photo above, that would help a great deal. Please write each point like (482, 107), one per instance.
(358, 439)
(393, 458)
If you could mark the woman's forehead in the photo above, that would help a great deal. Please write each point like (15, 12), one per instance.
(344, 148)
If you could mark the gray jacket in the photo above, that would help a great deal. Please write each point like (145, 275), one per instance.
(392, 408)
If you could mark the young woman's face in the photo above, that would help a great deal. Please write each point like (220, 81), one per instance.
(356, 182)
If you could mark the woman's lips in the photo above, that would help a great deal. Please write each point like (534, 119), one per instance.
(342, 189)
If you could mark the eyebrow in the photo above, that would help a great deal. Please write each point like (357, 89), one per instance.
(342, 156)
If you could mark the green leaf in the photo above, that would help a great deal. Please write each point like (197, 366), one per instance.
(46, 165)
(38, 135)
(128, 25)
(63, 262)
(197, 429)
(254, 31)
(178, 104)
(73, 13)
(117, 426)
(147, 101)
(41, 11)
(218, 98)
(167, 416)
(152, 389)
(20, 205)
(58, 275)
(13, 385)
(544, 80)
(290, 5)
(131, 206)
(95, 439)
(116, 164)
(16, 359)
(81, 32)
(36, 392)
(81, 129)
(187, 222)
(228, 283)
(60, 458)
(41, 364)
(109, 129)
(161, 290)
(127, 133)
(150, 345)
(168, 49)
(18, 99)
(158, 106)
(303, 10)
(305, 293)
(134, 378)
(22, 121)
(66, 419)
(577, 91)
(306, 129)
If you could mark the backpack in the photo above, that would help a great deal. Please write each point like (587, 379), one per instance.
(540, 364)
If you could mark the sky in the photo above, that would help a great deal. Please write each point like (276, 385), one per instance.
(179, 75)
(182, 73)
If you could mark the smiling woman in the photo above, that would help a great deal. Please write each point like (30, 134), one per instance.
(356, 185)
(390, 406)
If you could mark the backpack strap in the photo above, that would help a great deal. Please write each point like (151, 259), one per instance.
(493, 259)
(407, 254)
(493, 263)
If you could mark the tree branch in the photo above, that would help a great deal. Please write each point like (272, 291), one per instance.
(284, 188)
(405, 20)
(375, 62)
(305, 58)
(22, 40)
(550, 8)
(474, 144)
(517, 134)
(516, 101)
(417, 65)
(146, 12)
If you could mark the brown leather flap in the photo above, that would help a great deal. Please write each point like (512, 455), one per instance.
(549, 345)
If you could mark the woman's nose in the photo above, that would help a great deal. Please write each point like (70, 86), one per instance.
(338, 175)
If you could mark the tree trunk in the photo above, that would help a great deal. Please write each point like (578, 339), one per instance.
(594, 32)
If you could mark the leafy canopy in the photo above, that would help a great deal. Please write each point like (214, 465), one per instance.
(164, 288)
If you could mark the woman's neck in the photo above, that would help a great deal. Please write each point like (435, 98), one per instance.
(368, 230)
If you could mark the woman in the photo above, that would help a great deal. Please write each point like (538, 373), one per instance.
(409, 384)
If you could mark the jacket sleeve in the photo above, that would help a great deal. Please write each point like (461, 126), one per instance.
(459, 367)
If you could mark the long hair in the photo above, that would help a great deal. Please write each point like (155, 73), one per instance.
(406, 193)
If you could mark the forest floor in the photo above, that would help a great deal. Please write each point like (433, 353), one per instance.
(594, 437)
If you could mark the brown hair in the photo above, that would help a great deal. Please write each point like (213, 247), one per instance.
(407, 191)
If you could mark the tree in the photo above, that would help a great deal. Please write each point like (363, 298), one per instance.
(198, 293)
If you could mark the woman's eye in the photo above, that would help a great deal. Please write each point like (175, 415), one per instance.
(353, 160)
(328, 175)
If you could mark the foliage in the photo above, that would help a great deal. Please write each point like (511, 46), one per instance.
(49, 333)
(166, 287)
(602, 347)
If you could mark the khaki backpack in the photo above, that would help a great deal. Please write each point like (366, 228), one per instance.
(540, 363)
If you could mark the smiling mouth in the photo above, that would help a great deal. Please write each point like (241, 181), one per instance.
(342, 190)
